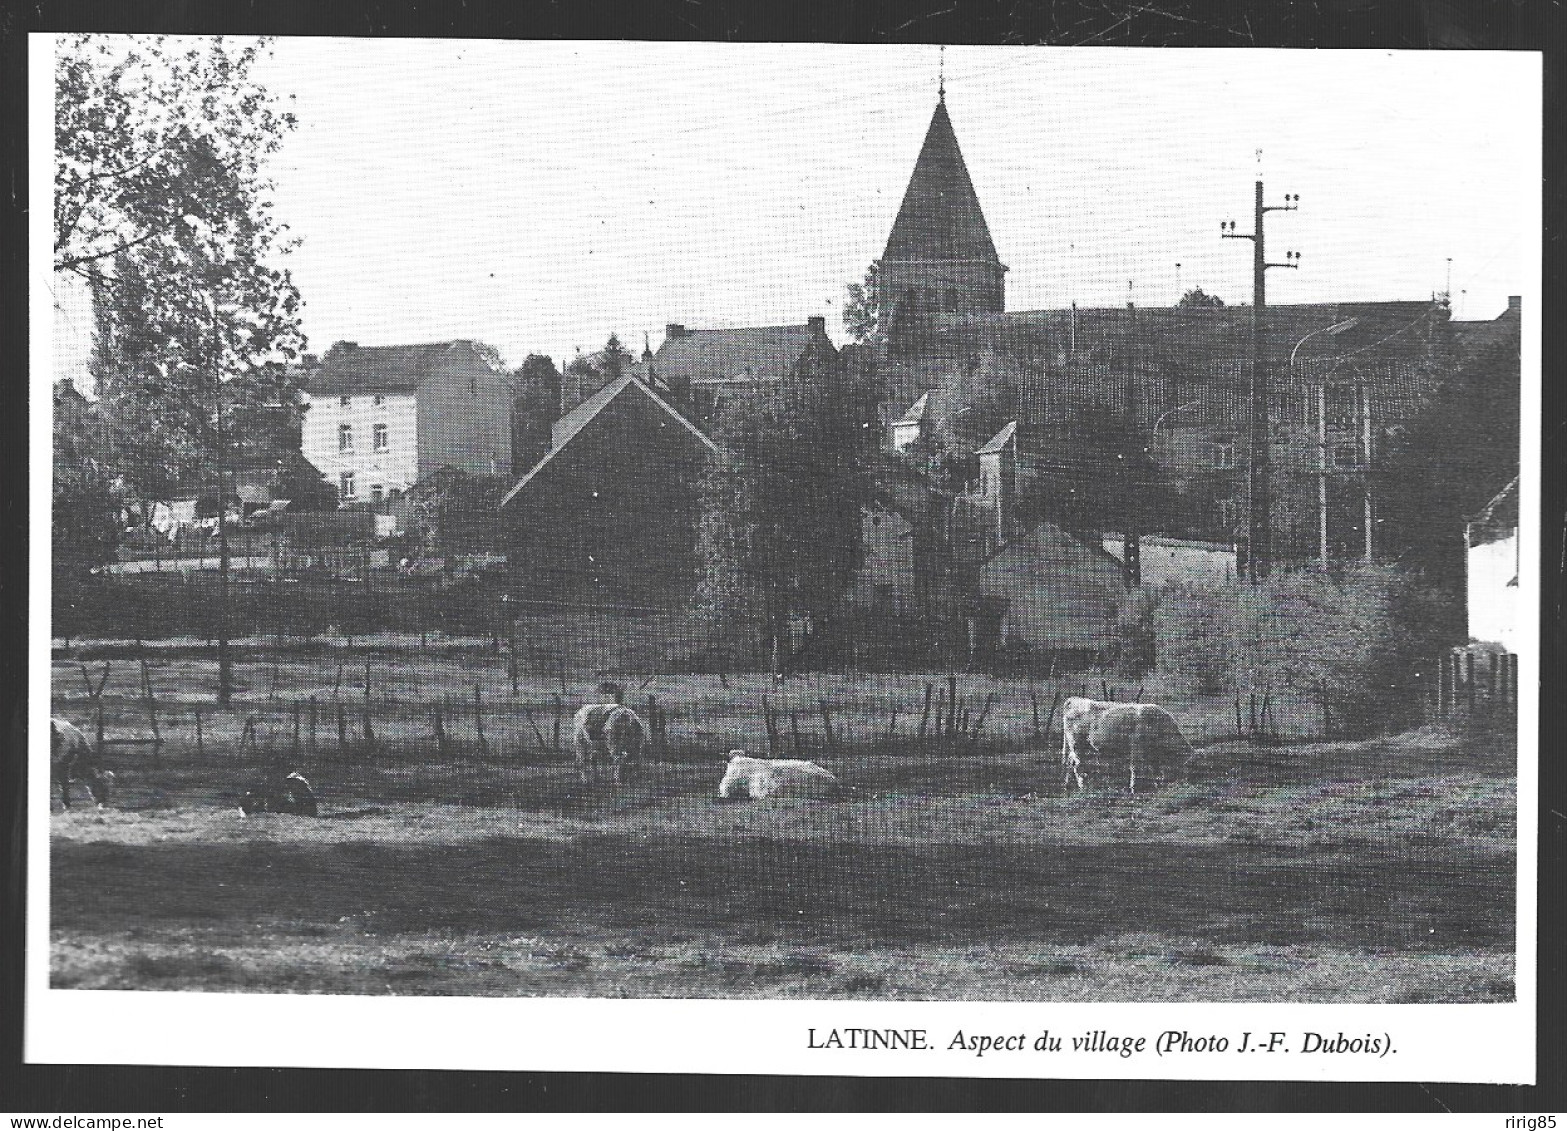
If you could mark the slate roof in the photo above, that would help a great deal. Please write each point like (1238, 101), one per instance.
(757, 353)
(940, 217)
(570, 426)
(1000, 440)
(383, 369)
(918, 411)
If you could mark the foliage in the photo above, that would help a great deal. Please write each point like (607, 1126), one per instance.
(162, 207)
(302, 484)
(454, 513)
(1135, 629)
(1355, 642)
(86, 516)
(862, 306)
(1455, 455)
(535, 405)
(779, 532)
(1198, 298)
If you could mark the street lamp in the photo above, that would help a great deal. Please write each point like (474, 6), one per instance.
(1322, 437)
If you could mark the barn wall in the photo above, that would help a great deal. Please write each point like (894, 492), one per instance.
(1060, 593)
(611, 519)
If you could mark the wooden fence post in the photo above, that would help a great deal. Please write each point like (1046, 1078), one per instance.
(478, 720)
(979, 724)
(1469, 680)
(293, 749)
(152, 711)
(952, 702)
(537, 733)
(369, 734)
(771, 726)
(794, 728)
(832, 744)
(892, 727)
(198, 733)
(1055, 701)
(930, 690)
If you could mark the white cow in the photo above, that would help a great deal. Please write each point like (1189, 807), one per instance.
(72, 759)
(1141, 737)
(757, 778)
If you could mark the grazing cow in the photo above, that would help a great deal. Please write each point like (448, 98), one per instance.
(71, 759)
(288, 794)
(1140, 736)
(757, 778)
(607, 731)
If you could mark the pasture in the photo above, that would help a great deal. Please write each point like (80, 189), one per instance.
(954, 866)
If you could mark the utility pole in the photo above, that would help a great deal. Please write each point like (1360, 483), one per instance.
(1259, 523)
(1132, 550)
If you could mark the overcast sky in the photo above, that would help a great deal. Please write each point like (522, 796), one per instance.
(537, 196)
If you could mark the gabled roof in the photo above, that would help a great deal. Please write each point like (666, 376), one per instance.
(1498, 519)
(1000, 440)
(756, 353)
(350, 368)
(918, 411)
(570, 426)
(940, 217)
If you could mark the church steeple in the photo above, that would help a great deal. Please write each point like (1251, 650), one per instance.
(940, 258)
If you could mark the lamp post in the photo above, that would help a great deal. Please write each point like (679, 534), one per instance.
(1322, 436)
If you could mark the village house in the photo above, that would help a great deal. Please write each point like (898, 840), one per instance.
(380, 418)
(1491, 556)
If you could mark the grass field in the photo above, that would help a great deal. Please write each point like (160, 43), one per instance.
(1368, 871)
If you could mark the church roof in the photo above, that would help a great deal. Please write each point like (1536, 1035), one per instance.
(918, 411)
(940, 217)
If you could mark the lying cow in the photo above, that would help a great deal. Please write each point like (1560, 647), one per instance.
(288, 794)
(72, 759)
(608, 732)
(1140, 737)
(757, 778)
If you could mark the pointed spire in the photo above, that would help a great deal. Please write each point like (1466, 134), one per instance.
(941, 75)
(940, 218)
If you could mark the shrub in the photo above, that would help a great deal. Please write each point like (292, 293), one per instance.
(1355, 642)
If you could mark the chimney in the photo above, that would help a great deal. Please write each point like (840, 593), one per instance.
(817, 324)
(1514, 304)
(673, 330)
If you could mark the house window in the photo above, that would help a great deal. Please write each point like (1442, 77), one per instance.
(345, 402)
(380, 438)
(345, 485)
(1224, 455)
(378, 400)
(345, 437)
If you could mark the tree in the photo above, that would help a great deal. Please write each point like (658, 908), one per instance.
(1454, 456)
(162, 206)
(86, 516)
(862, 308)
(779, 533)
(456, 513)
(1198, 298)
(535, 405)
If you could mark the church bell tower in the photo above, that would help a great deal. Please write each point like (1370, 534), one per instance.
(940, 259)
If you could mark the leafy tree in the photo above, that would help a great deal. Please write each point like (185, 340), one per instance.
(779, 533)
(862, 307)
(85, 520)
(1199, 298)
(456, 513)
(535, 405)
(1452, 459)
(163, 207)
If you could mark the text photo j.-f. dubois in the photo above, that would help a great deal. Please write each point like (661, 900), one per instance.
(1017, 553)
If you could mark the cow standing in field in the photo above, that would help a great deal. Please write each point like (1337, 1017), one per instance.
(72, 759)
(608, 731)
(1140, 736)
(758, 778)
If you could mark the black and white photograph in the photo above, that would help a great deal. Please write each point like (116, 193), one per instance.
(683, 552)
